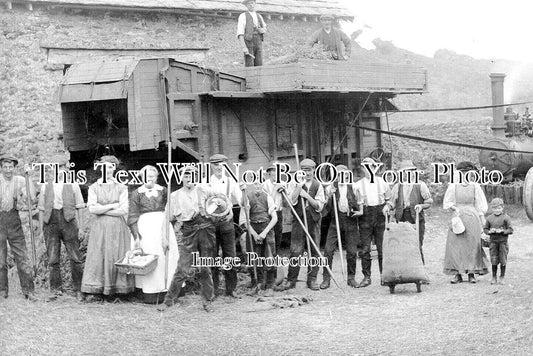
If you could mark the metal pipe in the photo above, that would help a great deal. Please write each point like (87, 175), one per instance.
(498, 124)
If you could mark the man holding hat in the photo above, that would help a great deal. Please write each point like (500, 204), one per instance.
(314, 199)
(198, 235)
(409, 199)
(59, 205)
(332, 39)
(225, 230)
(13, 195)
(375, 195)
(350, 207)
(250, 30)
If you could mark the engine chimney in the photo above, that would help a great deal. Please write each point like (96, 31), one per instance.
(498, 123)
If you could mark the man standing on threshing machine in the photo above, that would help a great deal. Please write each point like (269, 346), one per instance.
(350, 206)
(312, 195)
(59, 204)
(12, 194)
(187, 215)
(375, 193)
(250, 30)
(225, 230)
(409, 199)
(332, 39)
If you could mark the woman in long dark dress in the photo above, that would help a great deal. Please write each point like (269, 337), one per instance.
(146, 218)
(464, 254)
(109, 238)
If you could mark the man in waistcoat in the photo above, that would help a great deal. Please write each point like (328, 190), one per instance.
(332, 39)
(314, 199)
(13, 195)
(250, 30)
(375, 193)
(407, 199)
(350, 207)
(59, 204)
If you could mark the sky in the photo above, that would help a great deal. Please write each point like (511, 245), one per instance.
(487, 29)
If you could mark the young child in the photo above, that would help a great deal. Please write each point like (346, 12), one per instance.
(498, 227)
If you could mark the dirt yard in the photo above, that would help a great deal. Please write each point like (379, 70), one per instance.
(444, 319)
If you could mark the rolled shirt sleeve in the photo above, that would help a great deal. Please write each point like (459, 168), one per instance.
(241, 24)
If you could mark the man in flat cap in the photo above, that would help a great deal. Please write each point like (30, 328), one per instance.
(314, 199)
(375, 195)
(408, 199)
(198, 236)
(59, 204)
(225, 230)
(332, 39)
(13, 196)
(250, 30)
(350, 207)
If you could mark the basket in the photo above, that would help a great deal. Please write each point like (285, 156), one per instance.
(138, 269)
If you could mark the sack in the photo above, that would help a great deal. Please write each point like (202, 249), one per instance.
(457, 225)
(402, 262)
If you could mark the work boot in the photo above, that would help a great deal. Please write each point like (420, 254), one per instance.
(31, 297)
(471, 278)
(4, 294)
(325, 284)
(457, 279)
(365, 282)
(54, 295)
(285, 285)
(79, 296)
(502, 280)
(208, 306)
(233, 294)
(311, 284)
(352, 283)
(494, 280)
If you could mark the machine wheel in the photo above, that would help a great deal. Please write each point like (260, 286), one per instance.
(391, 288)
(528, 194)
(418, 287)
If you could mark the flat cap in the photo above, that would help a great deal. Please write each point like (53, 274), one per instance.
(244, 2)
(188, 169)
(9, 158)
(406, 165)
(496, 202)
(308, 163)
(327, 16)
(109, 159)
(368, 160)
(341, 167)
(217, 158)
(466, 166)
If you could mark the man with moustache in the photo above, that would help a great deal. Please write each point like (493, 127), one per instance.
(332, 39)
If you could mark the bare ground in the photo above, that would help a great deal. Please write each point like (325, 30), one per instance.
(443, 319)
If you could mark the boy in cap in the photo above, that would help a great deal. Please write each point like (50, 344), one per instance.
(350, 207)
(13, 195)
(263, 218)
(314, 199)
(59, 205)
(408, 199)
(498, 227)
(225, 231)
(331, 39)
(198, 235)
(250, 30)
(372, 223)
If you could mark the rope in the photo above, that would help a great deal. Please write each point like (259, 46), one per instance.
(465, 108)
(441, 142)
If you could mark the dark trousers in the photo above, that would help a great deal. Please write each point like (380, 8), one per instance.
(225, 238)
(255, 47)
(408, 217)
(11, 231)
(299, 245)
(278, 230)
(265, 249)
(198, 236)
(371, 227)
(55, 231)
(350, 232)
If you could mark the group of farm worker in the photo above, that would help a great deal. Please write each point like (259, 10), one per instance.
(188, 226)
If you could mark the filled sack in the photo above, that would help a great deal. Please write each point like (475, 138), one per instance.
(402, 262)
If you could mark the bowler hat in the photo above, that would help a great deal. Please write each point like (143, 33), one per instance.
(217, 158)
(9, 158)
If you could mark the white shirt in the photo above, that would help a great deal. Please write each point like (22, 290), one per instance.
(373, 194)
(320, 197)
(270, 188)
(221, 186)
(241, 24)
(58, 196)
